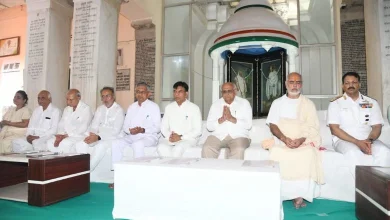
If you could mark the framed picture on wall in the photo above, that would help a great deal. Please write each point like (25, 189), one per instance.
(9, 46)
(272, 77)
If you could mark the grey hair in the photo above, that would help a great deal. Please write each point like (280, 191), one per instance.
(143, 84)
(108, 88)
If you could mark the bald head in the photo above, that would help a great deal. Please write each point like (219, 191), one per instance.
(44, 99)
(73, 98)
(294, 85)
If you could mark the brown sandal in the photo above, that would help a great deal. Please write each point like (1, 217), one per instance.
(111, 185)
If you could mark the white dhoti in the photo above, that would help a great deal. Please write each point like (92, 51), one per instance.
(21, 144)
(354, 156)
(166, 148)
(65, 146)
(97, 150)
(137, 144)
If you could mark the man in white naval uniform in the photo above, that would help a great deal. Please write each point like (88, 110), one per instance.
(73, 124)
(356, 123)
(181, 125)
(142, 126)
(105, 127)
(43, 125)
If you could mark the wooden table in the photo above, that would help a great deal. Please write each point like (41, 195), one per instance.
(372, 193)
(48, 179)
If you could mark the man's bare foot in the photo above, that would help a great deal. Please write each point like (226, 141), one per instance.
(299, 203)
(111, 185)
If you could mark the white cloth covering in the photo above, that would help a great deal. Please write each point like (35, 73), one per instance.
(74, 124)
(240, 109)
(107, 123)
(356, 119)
(146, 116)
(43, 123)
(285, 107)
(185, 120)
(279, 110)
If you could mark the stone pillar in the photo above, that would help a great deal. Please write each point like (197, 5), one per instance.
(373, 51)
(384, 26)
(215, 91)
(145, 53)
(47, 50)
(94, 47)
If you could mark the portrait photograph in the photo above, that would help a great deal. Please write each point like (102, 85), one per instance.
(271, 83)
(242, 77)
(9, 46)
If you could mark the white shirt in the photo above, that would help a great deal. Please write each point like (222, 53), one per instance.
(107, 122)
(279, 110)
(146, 116)
(75, 123)
(185, 120)
(44, 122)
(354, 117)
(240, 109)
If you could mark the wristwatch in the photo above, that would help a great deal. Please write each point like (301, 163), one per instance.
(371, 140)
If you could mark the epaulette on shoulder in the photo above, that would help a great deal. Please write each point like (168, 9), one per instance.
(335, 98)
(371, 98)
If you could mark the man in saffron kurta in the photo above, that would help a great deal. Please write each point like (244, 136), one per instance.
(294, 122)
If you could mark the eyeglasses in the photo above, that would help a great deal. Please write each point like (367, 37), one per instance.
(227, 91)
(295, 82)
(106, 96)
(351, 83)
(141, 92)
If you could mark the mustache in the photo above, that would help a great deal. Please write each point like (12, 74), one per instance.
(351, 88)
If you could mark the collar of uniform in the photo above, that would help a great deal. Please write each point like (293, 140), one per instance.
(360, 99)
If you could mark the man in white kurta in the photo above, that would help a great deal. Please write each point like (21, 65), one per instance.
(105, 127)
(181, 125)
(74, 123)
(229, 120)
(43, 125)
(356, 123)
(141, 127)
(303, 148)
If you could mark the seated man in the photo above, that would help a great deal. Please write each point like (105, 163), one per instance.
(141, 126)
(356, 122)
(73, 124)
(229, 120)
(181, 125)
(105, 127)
(43, 125)
(294, 122)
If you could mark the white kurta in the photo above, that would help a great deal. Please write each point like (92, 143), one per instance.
(240, 109)
(356, 119)
(285, 107)
(43, 123)
(74, 124)
(107, 123)
(185, 120)
(146, 116)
